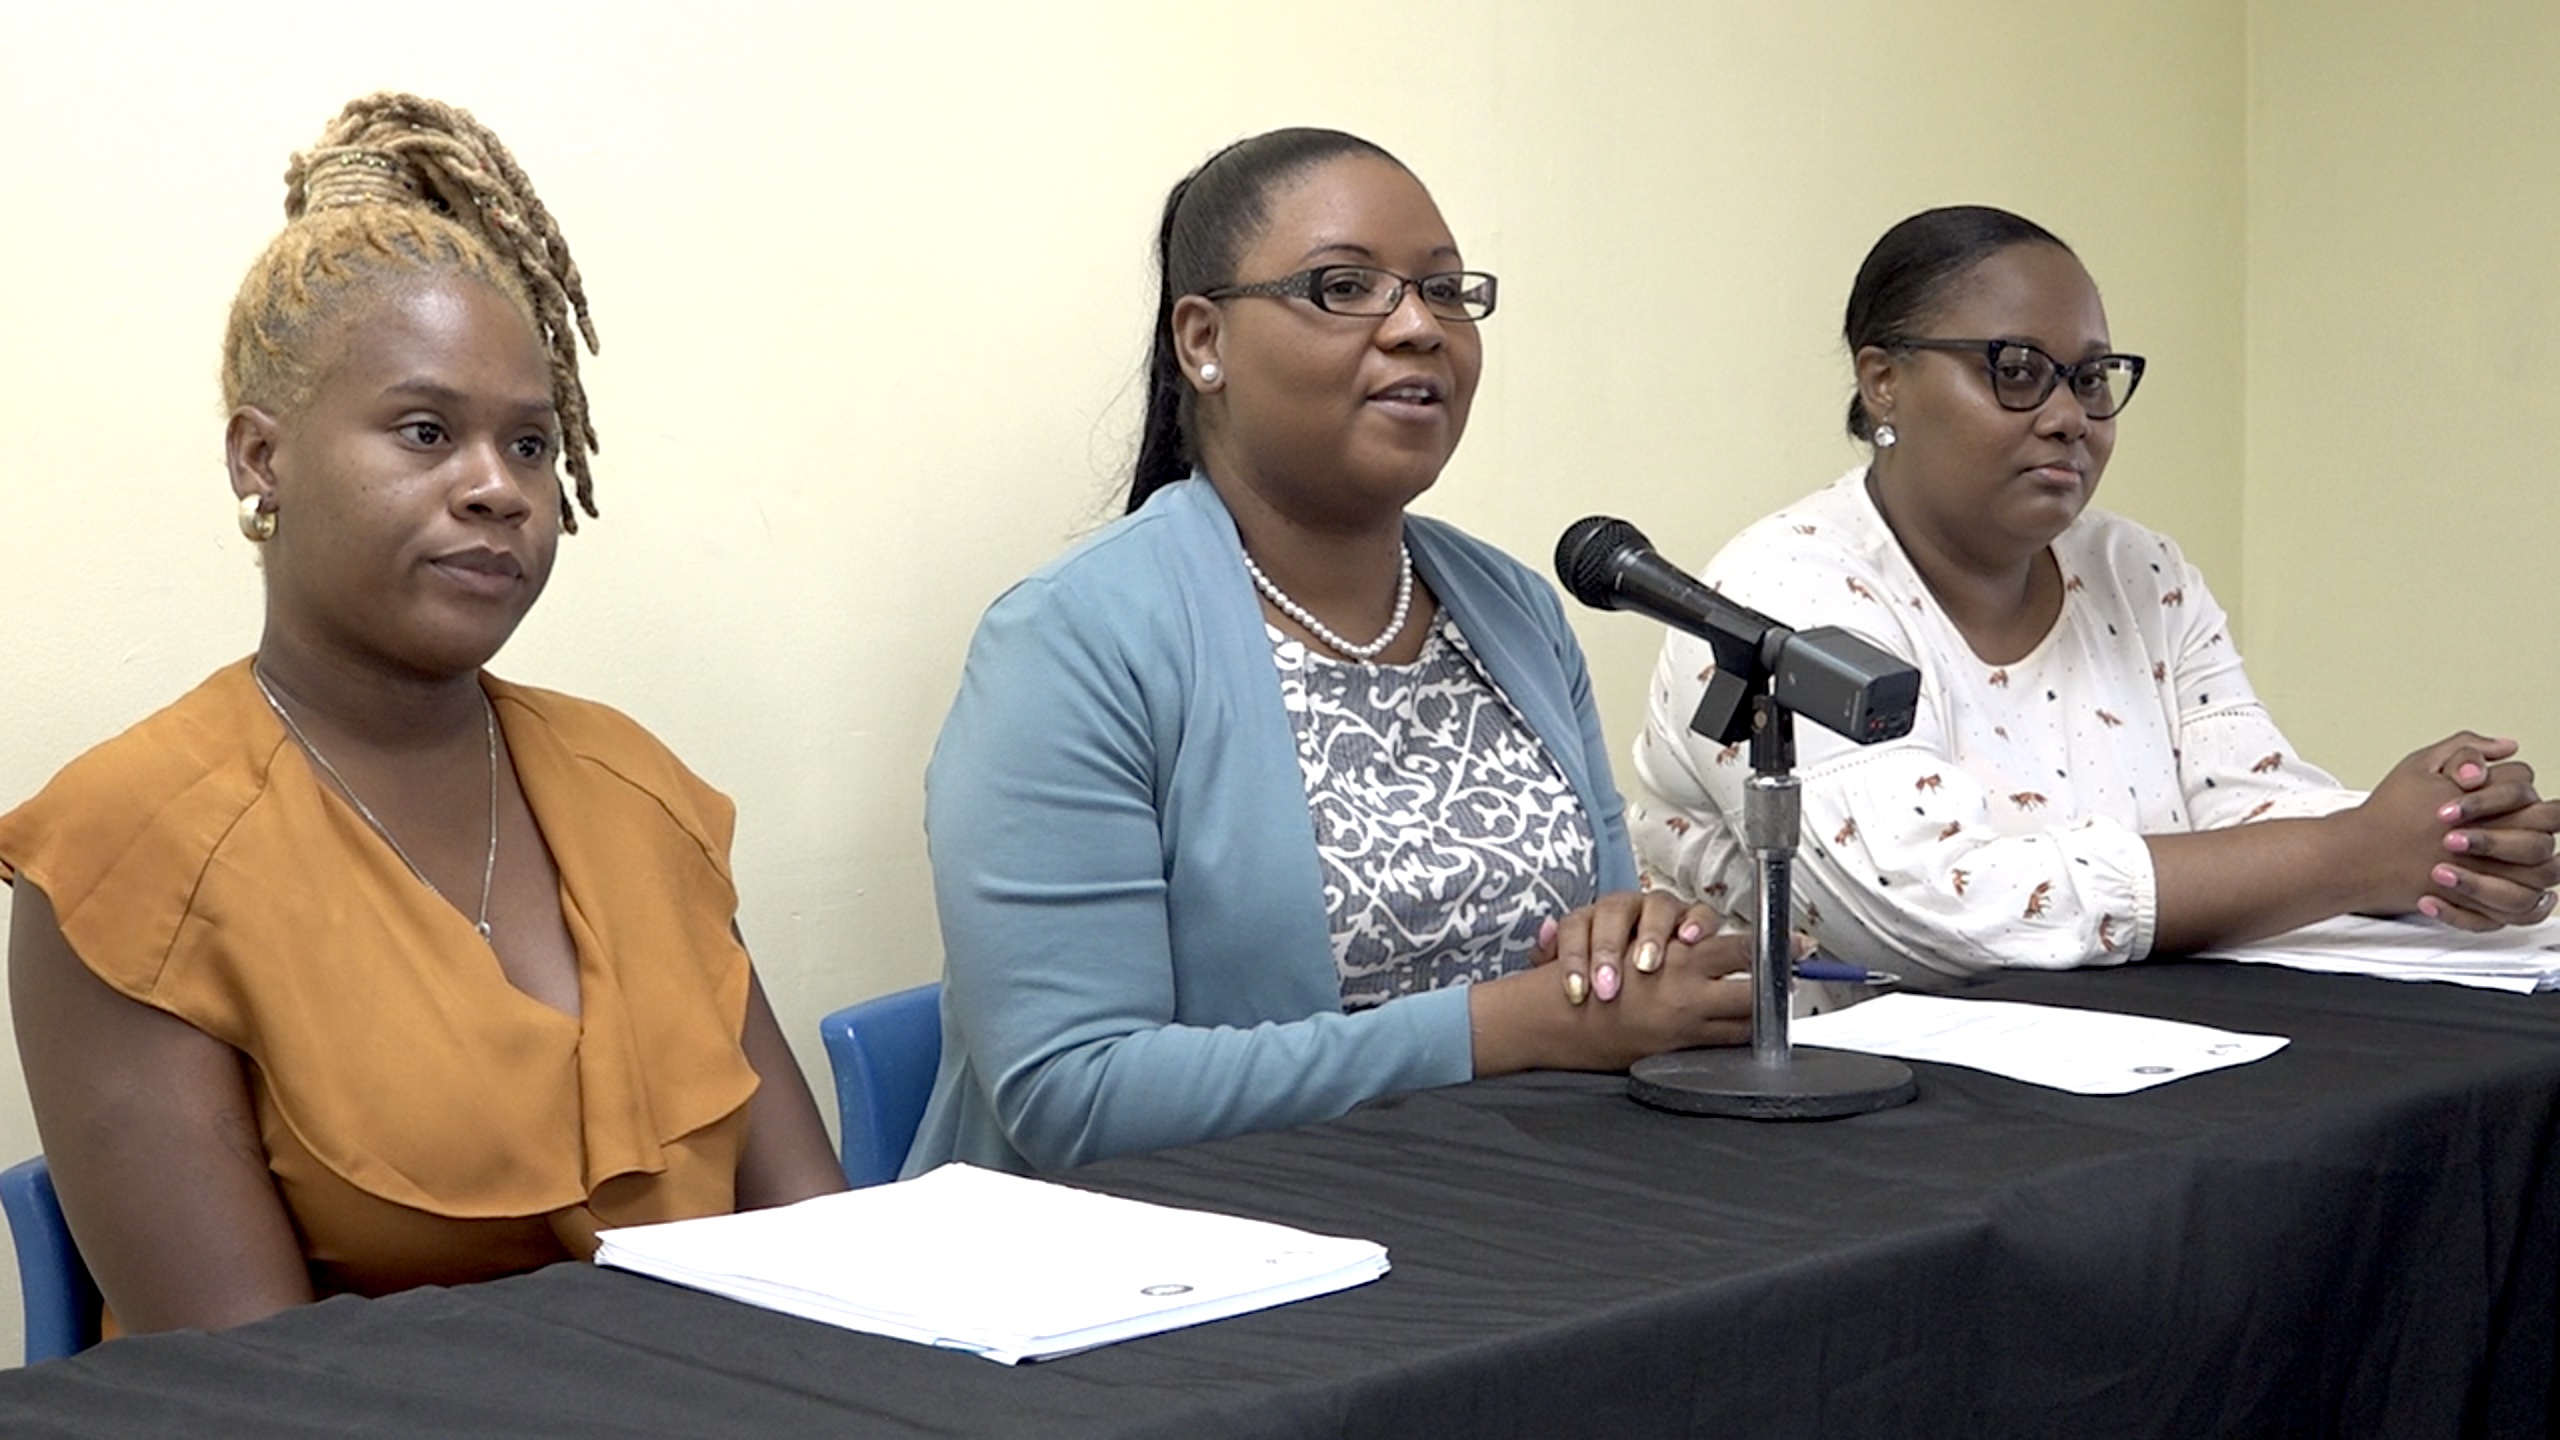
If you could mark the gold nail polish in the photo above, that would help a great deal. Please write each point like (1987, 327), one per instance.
(1576, 988)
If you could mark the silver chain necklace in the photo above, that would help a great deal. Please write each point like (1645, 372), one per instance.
(488, 872)
(1324, 632)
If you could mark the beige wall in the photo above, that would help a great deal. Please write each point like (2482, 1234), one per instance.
(872, 285)
(2404, 335)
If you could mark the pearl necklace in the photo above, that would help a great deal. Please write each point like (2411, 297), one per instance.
(488, 872)
(1324, 632)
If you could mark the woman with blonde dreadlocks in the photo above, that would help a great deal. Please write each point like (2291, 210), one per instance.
(357, 968)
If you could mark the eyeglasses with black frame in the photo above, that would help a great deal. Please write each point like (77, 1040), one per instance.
(1369, 292)
(2022, 375)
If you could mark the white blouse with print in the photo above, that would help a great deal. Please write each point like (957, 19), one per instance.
(2006, 829)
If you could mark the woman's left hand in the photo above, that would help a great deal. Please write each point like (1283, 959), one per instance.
(1593, 948)
(2502, 859)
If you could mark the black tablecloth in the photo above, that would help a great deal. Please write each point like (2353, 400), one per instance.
(2358, 1236)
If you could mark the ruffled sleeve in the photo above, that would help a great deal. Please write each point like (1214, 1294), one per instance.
(198, 865)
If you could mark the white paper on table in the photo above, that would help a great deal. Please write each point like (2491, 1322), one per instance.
(999, 1265)
(2088, 1052)
(2521, 959)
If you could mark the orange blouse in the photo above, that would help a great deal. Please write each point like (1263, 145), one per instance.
(426, 1121)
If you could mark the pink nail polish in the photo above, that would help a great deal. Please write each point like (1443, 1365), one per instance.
(2428, 906)
(2470, 774)
(2445, 876)
(1692, 932)
(1604, 982)
(2459, 842)
(1547, 929)
(2451, 812)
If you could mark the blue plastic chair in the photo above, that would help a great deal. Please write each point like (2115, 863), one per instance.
(63, 1305)
(884, 1052)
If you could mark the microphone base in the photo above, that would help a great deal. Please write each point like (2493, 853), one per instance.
(1810, 1084)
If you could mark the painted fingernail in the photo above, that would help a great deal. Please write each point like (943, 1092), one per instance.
(2458, 841)
(2451, 812)
(1692, 933)
(2471, 774)
(1576, 989)
(2446, 876)
(2430, 907)
(1604, 982)
(1648, 958)
(1547, 928)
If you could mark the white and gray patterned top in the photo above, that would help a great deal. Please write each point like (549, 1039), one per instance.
(1444, 830)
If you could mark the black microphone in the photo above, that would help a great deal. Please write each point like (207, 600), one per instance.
(1828, 675)
(1607, 564)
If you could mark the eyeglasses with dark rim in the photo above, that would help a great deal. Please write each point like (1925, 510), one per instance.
(2022, 375)
(1369, 292)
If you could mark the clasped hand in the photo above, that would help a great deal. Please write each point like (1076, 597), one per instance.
(2469, 811)
(1641, 973)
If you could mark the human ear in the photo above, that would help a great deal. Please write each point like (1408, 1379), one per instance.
(1878, 375)
(1198, 333)
(249, 452)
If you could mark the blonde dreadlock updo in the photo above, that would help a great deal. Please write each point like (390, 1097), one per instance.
(399, 187)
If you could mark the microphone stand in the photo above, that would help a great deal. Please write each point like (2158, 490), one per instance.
(1764, 676)
(1772, 1080)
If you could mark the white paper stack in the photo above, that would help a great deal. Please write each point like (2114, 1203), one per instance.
(999, 1265)
(2521, 959)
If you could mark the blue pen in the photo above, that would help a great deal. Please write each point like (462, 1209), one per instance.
(1819, 969)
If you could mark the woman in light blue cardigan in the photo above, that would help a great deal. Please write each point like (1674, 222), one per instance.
(1196, 877)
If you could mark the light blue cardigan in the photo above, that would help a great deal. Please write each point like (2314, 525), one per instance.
(1135, 945)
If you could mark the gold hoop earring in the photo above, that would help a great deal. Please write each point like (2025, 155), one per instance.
(256, 521)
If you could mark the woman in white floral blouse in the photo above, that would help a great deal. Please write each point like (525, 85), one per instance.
(2091, 779)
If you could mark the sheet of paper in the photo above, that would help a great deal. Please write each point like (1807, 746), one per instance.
(2521, 959)
(1000, 1265)
(2088, 1052)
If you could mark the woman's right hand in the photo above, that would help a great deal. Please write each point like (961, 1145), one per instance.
(1698, 995)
